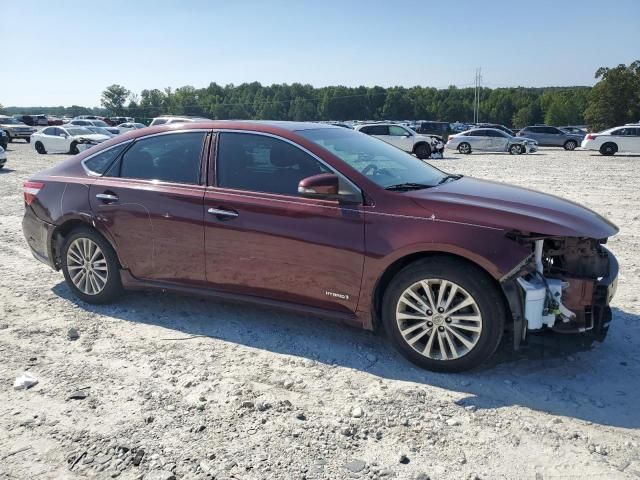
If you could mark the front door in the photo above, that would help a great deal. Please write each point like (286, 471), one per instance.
(400, 137)
(262, 239)
(150, 203)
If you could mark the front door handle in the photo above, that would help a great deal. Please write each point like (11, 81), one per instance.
(107, 197)
(222, 213)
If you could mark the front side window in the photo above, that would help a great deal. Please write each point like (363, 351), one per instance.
(380, 162)
(396, 131)
(259, 163)
(169, 158)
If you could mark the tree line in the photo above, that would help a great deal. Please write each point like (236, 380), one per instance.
(614, 100)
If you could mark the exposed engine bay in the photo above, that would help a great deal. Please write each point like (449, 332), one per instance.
(565, 285)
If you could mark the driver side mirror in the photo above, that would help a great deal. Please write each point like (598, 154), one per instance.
(322, 186)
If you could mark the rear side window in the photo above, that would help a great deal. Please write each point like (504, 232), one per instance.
(100, 163)
(170, 158)
(159, 121)
(378, 130)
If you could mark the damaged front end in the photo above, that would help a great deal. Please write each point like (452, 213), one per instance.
(565, 285)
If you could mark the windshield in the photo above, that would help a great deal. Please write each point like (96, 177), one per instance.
(380, 162)
(79, 131)
(9, 121)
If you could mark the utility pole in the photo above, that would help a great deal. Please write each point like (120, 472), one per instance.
(476, 96)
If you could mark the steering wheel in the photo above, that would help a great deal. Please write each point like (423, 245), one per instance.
(369, 168)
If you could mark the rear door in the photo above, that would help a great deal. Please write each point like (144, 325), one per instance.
(498, 141)
(263, 239)
(150, 203)
(55, 140)
(479, 140)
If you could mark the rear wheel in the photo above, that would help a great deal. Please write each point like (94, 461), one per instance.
(444, 314)
(28, 139)
(570, 145)
(608, 149)
(90, 267)
(515, 149)
(40, 148)
(422, 151)
(464, 148)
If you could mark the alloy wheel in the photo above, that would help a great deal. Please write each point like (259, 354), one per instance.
(439, 319)
(87, 266)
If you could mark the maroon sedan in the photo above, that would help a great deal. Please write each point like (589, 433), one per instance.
(328, 221)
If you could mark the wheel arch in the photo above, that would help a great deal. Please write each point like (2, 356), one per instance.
(419, 143)
(397, 265)
(65, 228)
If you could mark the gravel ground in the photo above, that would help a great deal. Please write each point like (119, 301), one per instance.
(161, 385)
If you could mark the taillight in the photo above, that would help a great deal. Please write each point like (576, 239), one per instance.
(590, 136)
(31, 189)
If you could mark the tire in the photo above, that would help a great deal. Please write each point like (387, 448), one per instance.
(40, 148)
(422, 151)
(608, 149)
(570, 145)
(9, 139)
(28, 139)
(515, 149)
(73, 149)
(464, 148)
(471, 283)
(102, 284)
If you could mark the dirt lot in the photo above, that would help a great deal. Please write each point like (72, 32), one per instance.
(206, 389)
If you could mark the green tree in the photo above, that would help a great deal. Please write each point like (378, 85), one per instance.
(114, 97)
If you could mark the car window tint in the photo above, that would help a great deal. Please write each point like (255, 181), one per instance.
(48, 131)
(170, 158)
(100, 162)
(378, 130)
(396, 131)
(159, 121)
(263, 164)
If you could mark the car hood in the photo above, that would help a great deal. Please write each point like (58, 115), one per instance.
(94, 136)
(498, 205)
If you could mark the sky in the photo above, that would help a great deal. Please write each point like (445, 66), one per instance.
(66, 52)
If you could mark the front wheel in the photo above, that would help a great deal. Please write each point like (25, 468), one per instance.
(515, 149)
(90, 267)
(423, 151)
(40, 148)
(73, 149)
(464, 148)
(444, 315)
(570, 145)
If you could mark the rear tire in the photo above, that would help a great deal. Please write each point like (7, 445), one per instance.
(469, 335)
(28, 140)
(422, 151)
(570, 145)
(608, 149)
(100, 269)
(464, 148)
(40, 148)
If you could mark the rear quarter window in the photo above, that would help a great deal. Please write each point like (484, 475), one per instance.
(100, 162)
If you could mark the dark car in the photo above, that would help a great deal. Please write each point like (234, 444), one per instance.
(4, 139)
(328, 221)
(29, 120)
(442, 129)
(547, 136)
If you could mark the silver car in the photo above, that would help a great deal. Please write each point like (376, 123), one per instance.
(552, 137)
(490, 140)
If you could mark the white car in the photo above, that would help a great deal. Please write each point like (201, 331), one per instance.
(129, 126)
(423, 146)
(170, 119)
(65, 139)
(3, 157)
(617, 139)
(490, 140)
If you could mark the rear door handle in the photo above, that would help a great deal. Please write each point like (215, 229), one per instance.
(222, 213)
(107, 197)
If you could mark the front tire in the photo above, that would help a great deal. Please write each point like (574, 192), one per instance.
(464, 148)
(444, 314)
(90, 267)
(73, 149)
(515, 149)
(423, 151)
(608, 149)
(40, 148)
(570, 145)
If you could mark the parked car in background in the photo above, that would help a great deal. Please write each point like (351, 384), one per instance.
(65, 139)
(4, 139)
(94, 123)
(441, 129)
(15, 129)
(490, 140)
(54, 121)
(169, 119)
(329, 221)
(575, 130)
(120, 120)
(3, 157)
(66, 120)
(127, 127)
(613, 140)
(42, 120)
(29, 120)
(423, 146)
(547, 136)
(100, 130)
